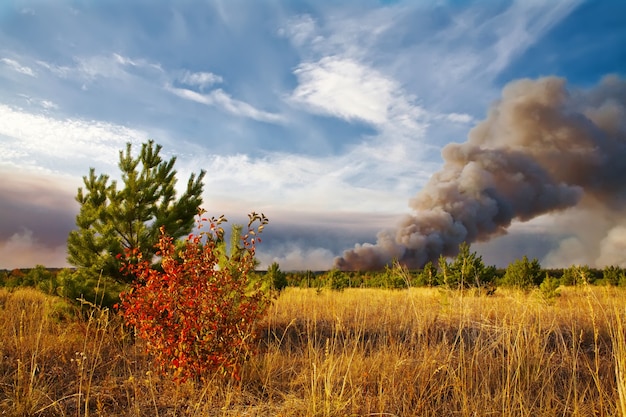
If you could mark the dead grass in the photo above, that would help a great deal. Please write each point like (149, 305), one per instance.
(365, 352)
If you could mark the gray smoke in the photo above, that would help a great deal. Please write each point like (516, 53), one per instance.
(543, 148)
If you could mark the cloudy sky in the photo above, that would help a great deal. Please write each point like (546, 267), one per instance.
(328, 116)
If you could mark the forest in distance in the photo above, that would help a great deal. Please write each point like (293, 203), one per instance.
(465, 271)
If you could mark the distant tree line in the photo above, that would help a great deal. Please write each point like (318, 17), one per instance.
(465, 271)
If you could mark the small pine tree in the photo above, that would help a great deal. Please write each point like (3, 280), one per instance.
(113, 220)
(549, 288)
(466, 270)
(428, 275)
(276, 277)
(523, 274)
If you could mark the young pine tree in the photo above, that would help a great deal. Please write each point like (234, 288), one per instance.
(523, 274)
(113, 219)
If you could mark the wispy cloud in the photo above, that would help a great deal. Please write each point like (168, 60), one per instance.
(61, 71)
(521, 25)
(16, 66)
(200, 79)
(300, 30)
(108, 66)
(222, 100)
(45, 104)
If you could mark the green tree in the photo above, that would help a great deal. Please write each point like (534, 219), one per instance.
(577, 275)
(549, 288)
(523, 274)
(396, 276)
(443, 276)
(611, 275)
(276, 277)
(37, 275)
(112, 220)
(466, 270)
(337, 280)
(428, 275)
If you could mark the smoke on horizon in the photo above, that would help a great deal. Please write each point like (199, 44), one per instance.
(542, 149)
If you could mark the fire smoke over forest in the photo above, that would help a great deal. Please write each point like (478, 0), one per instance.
(542, 149)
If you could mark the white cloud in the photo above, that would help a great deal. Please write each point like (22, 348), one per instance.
(16, 66)
(344, 88)
(49, 105)
(224, 101)
(200, 79)
(41, 137)
(350, 90)
(320, 184)
(459, 118)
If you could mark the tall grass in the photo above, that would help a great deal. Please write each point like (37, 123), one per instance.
(359, 352)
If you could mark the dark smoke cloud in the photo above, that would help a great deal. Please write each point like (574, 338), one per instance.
(542, 149)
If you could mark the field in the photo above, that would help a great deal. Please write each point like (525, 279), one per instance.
(358, 352)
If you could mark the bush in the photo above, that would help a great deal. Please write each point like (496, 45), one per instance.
(549, 288)
(523, 274)
(396, 276)
(197, 318)
(84, 284)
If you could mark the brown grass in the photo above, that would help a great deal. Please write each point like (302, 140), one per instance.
(360, 352)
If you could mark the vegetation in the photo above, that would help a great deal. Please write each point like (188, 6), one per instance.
(466, 270)
(113, 220)
(276, 277)
(196, 317)
(523, 274)
(418, 351)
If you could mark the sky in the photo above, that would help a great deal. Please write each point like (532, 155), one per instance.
(327, 116)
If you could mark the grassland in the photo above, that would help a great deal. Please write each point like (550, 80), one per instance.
(359, 352)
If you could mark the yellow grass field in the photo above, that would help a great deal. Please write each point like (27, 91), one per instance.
(360, 352)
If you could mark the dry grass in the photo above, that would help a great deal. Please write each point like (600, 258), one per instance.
(365, 352)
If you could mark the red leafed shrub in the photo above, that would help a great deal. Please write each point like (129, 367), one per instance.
(196, 315)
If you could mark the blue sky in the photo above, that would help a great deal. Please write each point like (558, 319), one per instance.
(327, 116)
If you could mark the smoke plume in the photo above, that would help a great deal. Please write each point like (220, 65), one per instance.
(542, 149)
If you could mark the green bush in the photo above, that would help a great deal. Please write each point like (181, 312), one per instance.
(549, 288)
(83, 284)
